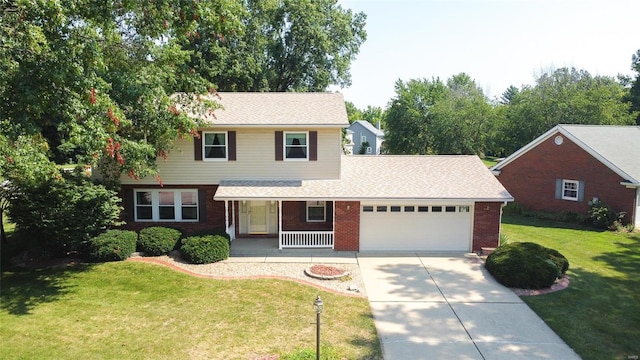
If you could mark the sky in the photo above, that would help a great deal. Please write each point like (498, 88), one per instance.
(498, 43)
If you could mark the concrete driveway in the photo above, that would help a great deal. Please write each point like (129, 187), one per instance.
(432, 307)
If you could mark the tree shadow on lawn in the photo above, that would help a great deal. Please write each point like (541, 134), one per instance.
(22, 291)
(598, 316)
(626, 259)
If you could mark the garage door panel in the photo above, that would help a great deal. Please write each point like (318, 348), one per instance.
(426, 231)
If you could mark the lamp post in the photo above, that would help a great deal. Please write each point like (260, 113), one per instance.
(317, 307)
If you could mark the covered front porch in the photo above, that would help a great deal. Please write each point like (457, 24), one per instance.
(278, 224)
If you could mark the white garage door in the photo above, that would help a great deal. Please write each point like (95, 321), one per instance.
(415, 227)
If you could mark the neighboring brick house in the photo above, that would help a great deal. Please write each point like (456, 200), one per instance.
(271, 165)
(571, 166)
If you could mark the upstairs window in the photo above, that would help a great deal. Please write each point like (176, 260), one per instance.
(215, 145)
(296, 146)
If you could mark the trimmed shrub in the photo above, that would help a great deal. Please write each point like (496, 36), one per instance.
(113, 245)
(526, 265)
(158, 240)
(205, 249)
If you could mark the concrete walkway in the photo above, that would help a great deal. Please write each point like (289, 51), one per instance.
(437, 307)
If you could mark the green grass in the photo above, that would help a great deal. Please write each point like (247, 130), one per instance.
(598, 315)
(126, 310)
(489, 161)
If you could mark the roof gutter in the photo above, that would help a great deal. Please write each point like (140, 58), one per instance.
(630, 185)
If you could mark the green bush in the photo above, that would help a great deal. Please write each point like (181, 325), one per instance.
(62, 215)
(602, 216)
(526, 265)
(158, 240)
(205, 249)
(113, 245)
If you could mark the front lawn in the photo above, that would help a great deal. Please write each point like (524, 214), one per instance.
(127, 310)
(599, 314)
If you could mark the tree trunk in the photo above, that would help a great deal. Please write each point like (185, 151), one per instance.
(3, 236)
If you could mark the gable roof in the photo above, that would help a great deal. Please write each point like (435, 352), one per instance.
(282, 109)
(616, 146)
(401, 177)
(369, 127)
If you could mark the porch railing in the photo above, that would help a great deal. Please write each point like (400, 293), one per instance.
(306, 239)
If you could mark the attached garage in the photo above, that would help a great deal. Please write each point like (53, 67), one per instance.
(415, 227)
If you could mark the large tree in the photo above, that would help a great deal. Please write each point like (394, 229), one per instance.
(410, 116)
(95, 79)
(564, 96)
(431, 117)
(285, 45)
(93, 83)
(634, 91)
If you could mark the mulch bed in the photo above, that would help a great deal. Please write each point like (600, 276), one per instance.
(560, 284)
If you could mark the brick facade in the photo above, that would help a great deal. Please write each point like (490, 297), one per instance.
(531, 179)
(347, 230)
(294, 217)
(486, 225)
(213, 212)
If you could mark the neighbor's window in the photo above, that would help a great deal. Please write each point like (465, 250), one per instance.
(450, 209)
(396, 208)
(369, 150)
(166, 205)
(215, 145)
(367, 208)
(570, 190)
(296, 146)
(316, 211)
(409, 208)
(436, 208)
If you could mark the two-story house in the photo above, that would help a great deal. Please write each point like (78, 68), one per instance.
(272, 165)
(367, 139)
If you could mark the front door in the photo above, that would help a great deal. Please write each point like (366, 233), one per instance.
(258, 217)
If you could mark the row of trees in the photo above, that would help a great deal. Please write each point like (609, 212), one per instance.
(431, 116)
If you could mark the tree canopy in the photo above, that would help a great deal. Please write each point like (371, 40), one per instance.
(432, 117)
(285, 45)
(94, 80)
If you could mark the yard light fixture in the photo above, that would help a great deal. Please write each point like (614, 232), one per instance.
(317, 307)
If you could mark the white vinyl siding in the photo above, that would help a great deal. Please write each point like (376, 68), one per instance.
(254, 161)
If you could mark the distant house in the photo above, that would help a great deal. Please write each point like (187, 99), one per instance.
(571, 166)
(271, 165)
(366, 137)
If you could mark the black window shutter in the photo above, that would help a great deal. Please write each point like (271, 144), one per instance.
(129, 206)
(313, 145)
(581, 191)
(202, 205)
(197, 146)
(231, 142)
(558, 188)
(279, 137)
(303, 211)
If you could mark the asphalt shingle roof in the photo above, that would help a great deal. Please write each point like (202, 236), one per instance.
(620, 145)
(446, 177)
(279, 109)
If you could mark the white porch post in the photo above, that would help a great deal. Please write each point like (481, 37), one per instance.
(279, 203)
(226, 217)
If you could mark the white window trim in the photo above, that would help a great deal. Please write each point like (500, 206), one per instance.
(363, 138)
(155, 205)
(315, 204)
(284, 146)
(226, 146)
(369, 150)
(577, 189)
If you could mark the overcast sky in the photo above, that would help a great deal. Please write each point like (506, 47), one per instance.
(497, 42)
